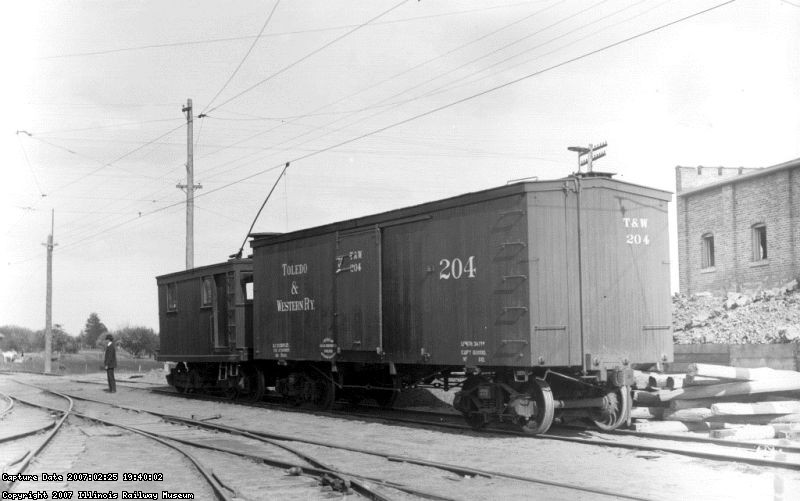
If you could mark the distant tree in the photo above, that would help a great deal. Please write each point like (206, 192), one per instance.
(61, 341)
(16, 338)
(93, 331)
(137, 341)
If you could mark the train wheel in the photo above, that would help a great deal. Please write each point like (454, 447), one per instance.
(544, 409)
(190, 384)
(469, 410)
(230, 393)
(181, 378)
(254, 384)
(321, 392)
(386, 398)
(616, 409)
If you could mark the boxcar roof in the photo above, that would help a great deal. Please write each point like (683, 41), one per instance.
(400, 215)
(205, 270)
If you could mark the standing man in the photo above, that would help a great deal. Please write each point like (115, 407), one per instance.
(110, 362)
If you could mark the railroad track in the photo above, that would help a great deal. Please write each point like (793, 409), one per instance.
(319, 457)
(776, 456)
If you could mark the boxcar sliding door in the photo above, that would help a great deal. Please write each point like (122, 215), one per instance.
(358, 290)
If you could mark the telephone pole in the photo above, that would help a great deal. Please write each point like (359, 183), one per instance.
(587, 155)
(48, 315)
(189, 186)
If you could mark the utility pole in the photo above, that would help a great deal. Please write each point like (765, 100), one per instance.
(587, 155)
(189, 186)
(48, 315)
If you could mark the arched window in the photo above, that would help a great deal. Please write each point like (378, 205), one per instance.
(759, 236)
(707, 256)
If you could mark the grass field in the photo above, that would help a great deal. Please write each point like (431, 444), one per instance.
(84, 362)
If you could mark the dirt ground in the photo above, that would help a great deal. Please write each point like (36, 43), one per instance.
(658, 476)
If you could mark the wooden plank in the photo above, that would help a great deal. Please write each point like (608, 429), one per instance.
(709, 358)
(721, 371)
(746, 432)
(645, 398)
(756, 419)
(670, 426)
(762, 351)
(691, 415)
(641, 379)
(742, 409)
(647, 412)
(702, 349)
(726, 389)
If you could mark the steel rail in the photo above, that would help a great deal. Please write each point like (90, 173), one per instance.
(10, 405)
(30, 455)
(216, 486)
(692, 439)
(28, 433)
(461, 470)
(623, 445)
(630, 446)
(318, 471)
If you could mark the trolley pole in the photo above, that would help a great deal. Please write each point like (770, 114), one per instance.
(48, 315)
(189, 186)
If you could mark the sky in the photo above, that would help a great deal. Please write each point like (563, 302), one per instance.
(377, 105)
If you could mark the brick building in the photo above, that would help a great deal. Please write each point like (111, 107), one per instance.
(738, 228)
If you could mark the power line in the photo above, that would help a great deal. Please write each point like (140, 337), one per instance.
(309, 55)
(115, 160)
(252, 46)
(28, 162)
(393, 77)
(100, 127)
(493, 89)
(276, 34)
(455, 83)
(431, 111)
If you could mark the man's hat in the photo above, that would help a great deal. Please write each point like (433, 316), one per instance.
(109, 337)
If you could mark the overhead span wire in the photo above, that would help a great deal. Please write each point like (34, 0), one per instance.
(501, 86)
(276, 34)
(383, 103)
(463, 80)
(443, 107)
(129, 153)
(391, 78)
(247, 54)
(309, 55)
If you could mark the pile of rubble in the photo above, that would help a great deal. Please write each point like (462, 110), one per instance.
(769, 316)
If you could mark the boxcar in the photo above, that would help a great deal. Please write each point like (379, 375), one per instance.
(205, 317)
(526, 290)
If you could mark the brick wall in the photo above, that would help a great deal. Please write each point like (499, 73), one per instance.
(729, 212)
(688, 178)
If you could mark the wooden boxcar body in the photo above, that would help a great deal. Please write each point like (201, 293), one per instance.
(566, 273)
(512, 294)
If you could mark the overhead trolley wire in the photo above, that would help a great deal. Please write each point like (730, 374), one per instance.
(455, 83)
(28, 163)
(493, 89)
(276, 34)
(393, 77)
(247, 54)
(384, 103)
(309, 55)
(429, 112)
(104, 165)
